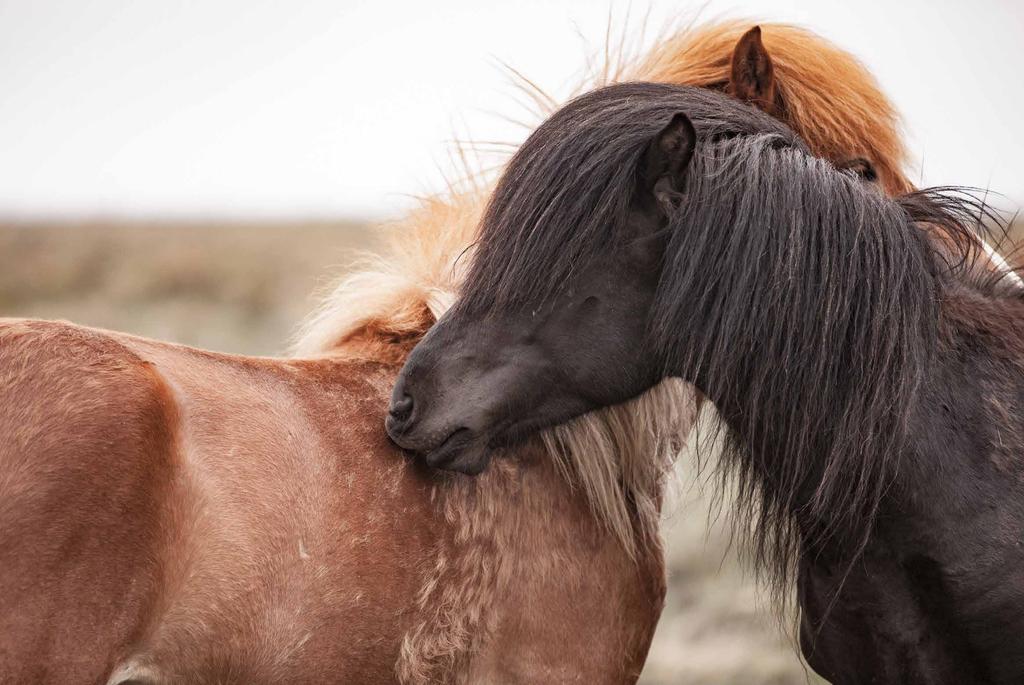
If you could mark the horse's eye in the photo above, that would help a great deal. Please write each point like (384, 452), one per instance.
(860, 166)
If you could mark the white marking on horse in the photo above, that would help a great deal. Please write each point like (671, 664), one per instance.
(134, 672)
(1001, 264)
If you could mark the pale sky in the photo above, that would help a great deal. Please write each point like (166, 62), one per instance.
(251, 109)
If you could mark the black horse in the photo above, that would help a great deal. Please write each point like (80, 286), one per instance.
(868, 377)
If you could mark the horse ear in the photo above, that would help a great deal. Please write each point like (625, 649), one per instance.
(752, 78)
(664, 163)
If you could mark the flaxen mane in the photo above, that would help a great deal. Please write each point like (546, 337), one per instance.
(618, 454)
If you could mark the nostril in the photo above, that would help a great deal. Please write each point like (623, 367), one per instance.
(401, 409)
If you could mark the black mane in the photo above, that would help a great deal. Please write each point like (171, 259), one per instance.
(803, 302)
(569, 186)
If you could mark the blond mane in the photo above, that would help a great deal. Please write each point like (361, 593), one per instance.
(392, 295)
(620, 455)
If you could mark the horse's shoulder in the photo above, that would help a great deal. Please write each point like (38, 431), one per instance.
(57, 369)
(72, 396)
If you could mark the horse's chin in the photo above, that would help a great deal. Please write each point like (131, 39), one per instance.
(462, 452)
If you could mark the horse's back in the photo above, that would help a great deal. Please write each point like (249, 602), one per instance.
(85, 425)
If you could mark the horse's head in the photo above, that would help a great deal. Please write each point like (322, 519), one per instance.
(514, 356)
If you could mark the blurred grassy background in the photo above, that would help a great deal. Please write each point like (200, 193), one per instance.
(244, 287)
(229, 287)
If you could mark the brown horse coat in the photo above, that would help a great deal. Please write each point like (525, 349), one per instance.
(173, 515)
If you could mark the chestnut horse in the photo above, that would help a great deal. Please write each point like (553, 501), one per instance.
(170, 514)
(174, 515)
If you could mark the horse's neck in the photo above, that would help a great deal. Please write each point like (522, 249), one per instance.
(967, 434)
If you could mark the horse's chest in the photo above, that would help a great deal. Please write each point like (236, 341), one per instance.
(345, 631)
(895, 620)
